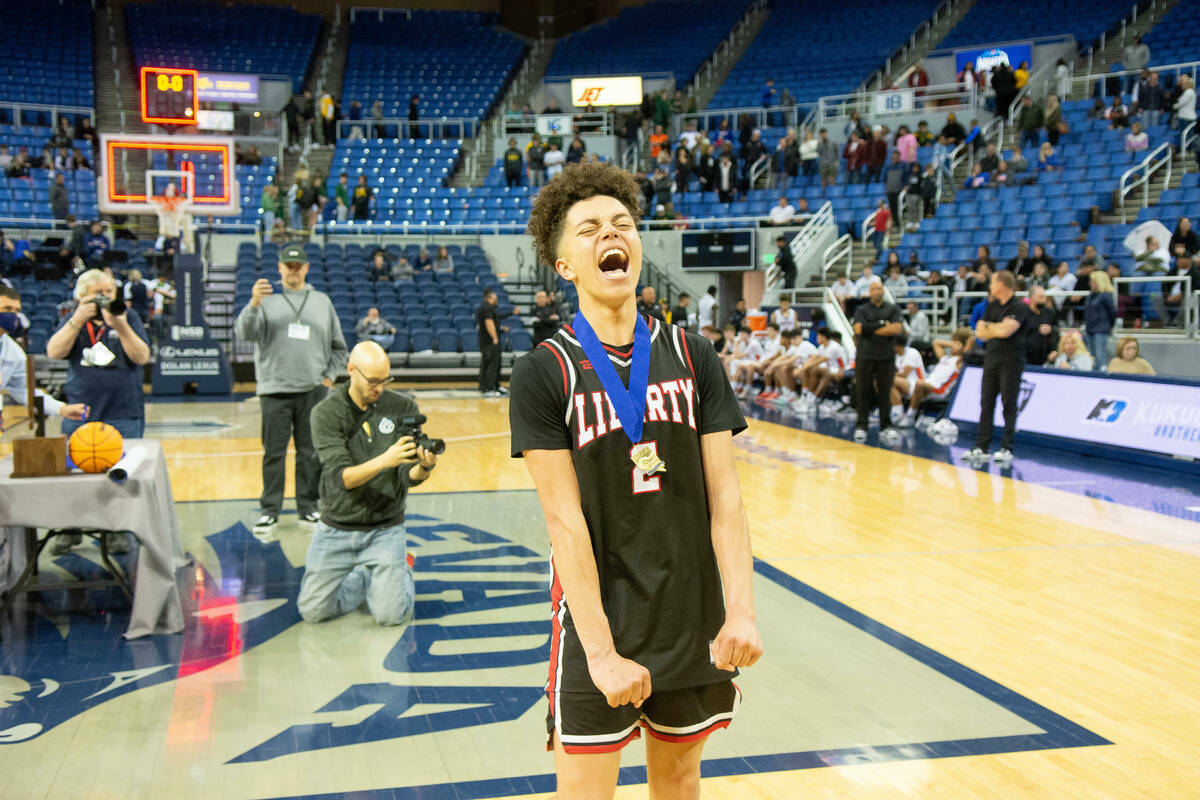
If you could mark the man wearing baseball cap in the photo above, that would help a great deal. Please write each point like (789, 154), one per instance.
(298, 351)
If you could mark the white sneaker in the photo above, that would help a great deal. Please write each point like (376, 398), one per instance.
(860, 435)
(1003, 456)
(889, 437)
(907, 420)
(975, 454)
(266, 523)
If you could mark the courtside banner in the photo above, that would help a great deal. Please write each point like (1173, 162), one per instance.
(1151, 415)
(606, 91)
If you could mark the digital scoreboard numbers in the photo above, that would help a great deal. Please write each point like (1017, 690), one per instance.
(718, 250)
(169, 96)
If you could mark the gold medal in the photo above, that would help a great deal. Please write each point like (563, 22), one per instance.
(645, 459)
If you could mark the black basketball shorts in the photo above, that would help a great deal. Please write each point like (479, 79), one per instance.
(585, 723)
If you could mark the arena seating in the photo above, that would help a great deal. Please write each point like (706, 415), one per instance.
(432, 312)
(29, 198)
(47, 52)
(815, 50)
(1048, 213)
(251, 180)
(1006, 20)
(1170, 41)
(266, 40)
(456, 61)
(671, 36)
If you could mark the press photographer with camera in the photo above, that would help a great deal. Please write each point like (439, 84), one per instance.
(371, 448)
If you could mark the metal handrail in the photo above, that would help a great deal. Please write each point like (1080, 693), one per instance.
(867, 224)
(1149, 165)
(1190, 67)
(834, 108)
(709, 119)
(55, 111)
(1186, 139)
(600, 122)
(465, 127)
(758, 168)
(842, 248)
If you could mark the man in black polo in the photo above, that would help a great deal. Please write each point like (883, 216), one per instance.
(1003, 330)
(681, 312)
(648, 306)
(359, 548)
(546, 318)
(785, 262)
(875, 325)
(1041, 335)
(488, 323)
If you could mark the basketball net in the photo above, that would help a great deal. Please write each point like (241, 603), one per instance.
(174, 221)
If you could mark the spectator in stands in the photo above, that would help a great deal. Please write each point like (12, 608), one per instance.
(576, 150)
(340, 194)
(683, 169)
(291, 113)
(1185, 106)
(376, 328)
(924, 136)
(725, 180)
(535, 160)
(1134, 59)
(424, 262)
(1136, 140)
(969, 79)
(855, 154)
(546, 319)
(978, 178)
(1063, 281)
(63, 161)
(1099, 313)
(1000, 177)
(690, 136)
(941, 379)
(46, 159)
(1072, 354)
(377, 119)
(1154, 260)
(269, 203)
(1048, 159)
(327, 111)
(1040, 276)
(1042, 337)
(1056, 126)
(953, 131)
(808, 154)
(361, 200)
(1030, 120)
(827, 159)
(402, 270)
(554, 161)
(1040, 256)
(895, 177)
(918, 79)
(354, 114)
(783, 213)
(787, 159)
(990, 160)
(1006, 84)
(918, 324)
(1117, 114)
(1170, 304)
(648, 304)
(443, 262)
(883, 220)
(380, 269)
(1062, 78)
(61, 136)
(279, 232)
(84, 131)
(647, 113)
(893, 281)
(843, 290)
(312, 200)
(1151, 100)
(487, 322)
(308, 118)
(1017, 162)
(876, 155)
(786, 263)
(1128, 360)
(60, 199)
(95, 246)
(79, 160)
(1184, 235)
(705, 166)
(906, 145)
(768, 93)
(662, 187)
(751, 151)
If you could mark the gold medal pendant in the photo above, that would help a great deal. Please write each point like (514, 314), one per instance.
(645, 459)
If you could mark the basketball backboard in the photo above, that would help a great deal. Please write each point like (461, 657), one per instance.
(135, 168)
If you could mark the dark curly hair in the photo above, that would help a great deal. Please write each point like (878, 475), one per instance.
(575, 183)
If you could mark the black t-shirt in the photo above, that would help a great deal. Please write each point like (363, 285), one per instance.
(485, 312)
(650, 310)
(543, 326)
(512, 161)
(1000, 351)
(870, 346)
(659, 582)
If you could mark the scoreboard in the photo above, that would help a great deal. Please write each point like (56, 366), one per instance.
(169, 96)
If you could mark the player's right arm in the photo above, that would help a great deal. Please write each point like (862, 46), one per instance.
(619, 679)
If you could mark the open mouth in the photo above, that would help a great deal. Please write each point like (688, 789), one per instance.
(614, 263)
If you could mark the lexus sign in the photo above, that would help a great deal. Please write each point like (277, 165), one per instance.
(606, 91)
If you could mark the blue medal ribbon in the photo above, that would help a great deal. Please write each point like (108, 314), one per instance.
(630, 404)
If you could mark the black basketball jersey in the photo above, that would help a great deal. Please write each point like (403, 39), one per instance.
(659, 582)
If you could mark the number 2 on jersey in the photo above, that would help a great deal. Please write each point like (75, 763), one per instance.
(643, 483)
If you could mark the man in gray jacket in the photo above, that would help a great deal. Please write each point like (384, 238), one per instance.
(298, 351)
(828, 158)
(1136, 57)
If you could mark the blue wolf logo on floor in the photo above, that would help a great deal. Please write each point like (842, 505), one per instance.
(47, 678)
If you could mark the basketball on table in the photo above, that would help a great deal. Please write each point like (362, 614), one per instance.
(95, 446)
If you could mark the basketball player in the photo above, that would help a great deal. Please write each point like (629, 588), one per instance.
(771, 367)
(910, 368)
(942, 377)
(788, 374)
(746, 350)
(743, 382)
(830, 365)
(643, 550)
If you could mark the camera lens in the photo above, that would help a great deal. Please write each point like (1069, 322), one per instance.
(435, 446)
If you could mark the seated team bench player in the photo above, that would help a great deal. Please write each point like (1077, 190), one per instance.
(626, 426)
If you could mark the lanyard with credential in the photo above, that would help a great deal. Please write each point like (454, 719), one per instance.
(95, 333)
(298, 311)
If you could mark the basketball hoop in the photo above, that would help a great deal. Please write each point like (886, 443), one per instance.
(174, 221)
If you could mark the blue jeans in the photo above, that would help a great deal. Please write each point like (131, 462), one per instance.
(1031, 138)
(128, 427)
(877, 239)
(384, 340)
(1097, 344)
(344, 568)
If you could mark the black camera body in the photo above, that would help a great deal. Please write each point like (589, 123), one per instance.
(411, 426)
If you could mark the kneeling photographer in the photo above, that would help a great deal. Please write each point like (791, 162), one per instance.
(371, 449)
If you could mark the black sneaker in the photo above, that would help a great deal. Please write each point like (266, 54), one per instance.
(266, 523)
(311, 517)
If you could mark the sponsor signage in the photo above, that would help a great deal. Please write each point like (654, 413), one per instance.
(606, 91)
(1153, 416)
(214, 120)
(189, 355)
(216, 87)
(985, 58)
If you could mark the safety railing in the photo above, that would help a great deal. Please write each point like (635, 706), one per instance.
(1184, 321)
(1095, 84)
(725, 51)
(759, 116)
(758, 169)
(517, 124)
(841, 250)
(934, 300)
(1141, 175)
(40, 114)
(395, 128)
(835, 109)
(1187, 140)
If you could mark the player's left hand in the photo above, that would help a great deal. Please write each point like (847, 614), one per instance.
(73, 411)
(737, 644)
(426, 459)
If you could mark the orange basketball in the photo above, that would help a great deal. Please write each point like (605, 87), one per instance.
(95, 446)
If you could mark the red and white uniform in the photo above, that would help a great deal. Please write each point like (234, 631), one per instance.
(911, 358)
(836, 358)
(944, 375)
(750, 352)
